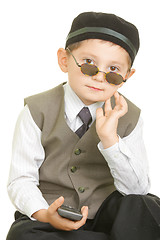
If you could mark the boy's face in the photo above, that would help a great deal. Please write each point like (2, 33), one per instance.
(107, 57)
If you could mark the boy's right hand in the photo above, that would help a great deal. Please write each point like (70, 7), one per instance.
(51, 216)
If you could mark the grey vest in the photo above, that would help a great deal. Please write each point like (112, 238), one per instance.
(73, 167)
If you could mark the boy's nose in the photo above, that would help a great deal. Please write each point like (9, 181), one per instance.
(100, 76)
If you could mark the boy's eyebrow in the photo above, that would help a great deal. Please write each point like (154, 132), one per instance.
(112, 62)
(118, 64)
(88, 53)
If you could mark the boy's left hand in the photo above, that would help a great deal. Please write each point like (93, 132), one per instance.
(107, 120)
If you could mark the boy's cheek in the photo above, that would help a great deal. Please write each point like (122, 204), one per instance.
(109, 92)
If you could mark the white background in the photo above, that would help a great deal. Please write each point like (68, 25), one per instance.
(31, 32)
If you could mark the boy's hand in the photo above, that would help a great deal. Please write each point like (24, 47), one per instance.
(51, 216)
(106, 124)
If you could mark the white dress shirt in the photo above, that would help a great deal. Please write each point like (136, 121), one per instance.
(126, 159)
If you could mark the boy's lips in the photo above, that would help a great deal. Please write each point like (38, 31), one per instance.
(95, 88)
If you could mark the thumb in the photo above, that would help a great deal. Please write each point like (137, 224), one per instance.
(56, 204)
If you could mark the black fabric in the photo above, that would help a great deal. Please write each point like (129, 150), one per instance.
(25, 229)
(132, 217)
(108, 21)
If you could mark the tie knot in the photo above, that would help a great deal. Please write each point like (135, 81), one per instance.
(85, 116)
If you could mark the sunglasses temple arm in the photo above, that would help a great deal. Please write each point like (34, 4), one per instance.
(73, 57)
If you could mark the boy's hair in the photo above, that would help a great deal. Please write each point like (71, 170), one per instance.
(108, 27)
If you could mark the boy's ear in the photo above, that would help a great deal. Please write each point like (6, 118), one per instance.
(128, 75)
(62, 59)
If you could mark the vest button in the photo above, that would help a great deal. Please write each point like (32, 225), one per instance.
(73, 169)
(77, 151)
(81, 189)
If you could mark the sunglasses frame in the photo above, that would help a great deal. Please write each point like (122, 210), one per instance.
(80, 66)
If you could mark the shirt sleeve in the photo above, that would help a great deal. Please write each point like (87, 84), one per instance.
(27, 157)
(128, 162)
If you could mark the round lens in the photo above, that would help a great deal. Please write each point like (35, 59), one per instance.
(89, 69)
(114, 78)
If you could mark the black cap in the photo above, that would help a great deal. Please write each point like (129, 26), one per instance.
(108, 27)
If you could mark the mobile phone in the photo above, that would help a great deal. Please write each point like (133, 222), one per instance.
(69, 213)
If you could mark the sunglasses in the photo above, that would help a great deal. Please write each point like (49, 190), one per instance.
(92, 70)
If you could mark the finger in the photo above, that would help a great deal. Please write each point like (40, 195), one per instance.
(121, 104)
(84, 211)
(108, 106)
(80, 223)
(117, 98)
(99, 113)
(122, 100)
(61, 223)
(69, 225)
(124, 104)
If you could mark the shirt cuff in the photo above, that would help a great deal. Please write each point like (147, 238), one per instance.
(115, 152)
(33, 206)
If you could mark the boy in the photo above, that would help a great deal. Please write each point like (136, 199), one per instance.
(55, 155)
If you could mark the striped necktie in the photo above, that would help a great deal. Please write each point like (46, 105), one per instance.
(86, 118)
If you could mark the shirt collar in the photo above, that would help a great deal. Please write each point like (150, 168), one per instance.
(73, 104)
